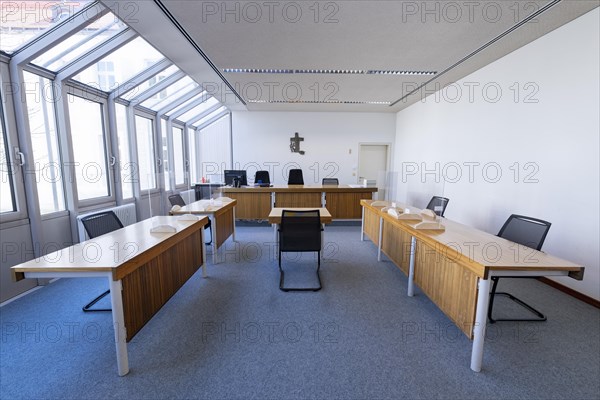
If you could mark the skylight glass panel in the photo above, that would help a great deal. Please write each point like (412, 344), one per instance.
(149, 83)
(199, 109)
(172, 92)
(77, 45)
(120, 65)
(25, 20)
(208, 117)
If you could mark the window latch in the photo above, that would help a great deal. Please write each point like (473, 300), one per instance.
(113, 161)
(19, 154)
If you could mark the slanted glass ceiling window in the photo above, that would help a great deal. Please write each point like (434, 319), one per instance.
(42, 126)
(144, 133)
(121, 65)
(208, 117)
(24, 20)
(198, 110)
(127, 168)
(129, 94)
(171, 93)
(199, 97)
(7, 194)
(82, 42)
(89, 148)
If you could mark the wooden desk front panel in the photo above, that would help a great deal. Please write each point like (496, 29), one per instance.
(224, 228)
(396, 245)
(346, 205)
(298, 199)
(251, 205)
(371, 225)
(149, 287)
(450, 286)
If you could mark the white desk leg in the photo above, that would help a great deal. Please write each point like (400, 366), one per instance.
(274, 232)
(380, 241)
(362, 226)
(204, 274)
(116, 300)
(214, 238)
(483, 298)
(411, 269)
(234, 223)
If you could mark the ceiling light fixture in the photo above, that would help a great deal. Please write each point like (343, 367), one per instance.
(326, 71)
(386, 103)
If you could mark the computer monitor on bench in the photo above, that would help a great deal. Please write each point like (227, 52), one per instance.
(240, 175)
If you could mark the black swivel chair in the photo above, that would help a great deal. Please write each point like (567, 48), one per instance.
(530, 232)
(262, 177)
(331, 181)
(437, 201)
(300, 231)
(295, 177)
(177, 200)
(96, 225)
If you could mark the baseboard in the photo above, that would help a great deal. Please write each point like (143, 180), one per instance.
(580, 296)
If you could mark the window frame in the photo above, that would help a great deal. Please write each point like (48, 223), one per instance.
(184, 160)
(157, 158)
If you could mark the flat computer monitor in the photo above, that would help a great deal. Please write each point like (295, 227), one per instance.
(230, 174)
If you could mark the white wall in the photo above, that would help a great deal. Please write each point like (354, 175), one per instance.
(558, 134)
(331, 142)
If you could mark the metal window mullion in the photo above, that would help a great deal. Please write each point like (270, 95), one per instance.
(141, 78)
(162, 85)
(49, 146)
(97, 54)
(203, 114)
(200, 100)
(133, 154)
(213, 119)
(179, 101)
(114, 149)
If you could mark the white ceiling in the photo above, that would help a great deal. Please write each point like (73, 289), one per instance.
(451, 38)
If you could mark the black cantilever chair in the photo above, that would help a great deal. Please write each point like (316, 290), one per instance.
(300, 231)
(436, 203)
(295, 177)
(262, 177)
(96, 225)
(530, 232)
(331, 181)
(177, 200)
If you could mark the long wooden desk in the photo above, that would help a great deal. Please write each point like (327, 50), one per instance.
(454, 267)
(144, 270)
(342, 201)
(222, 217)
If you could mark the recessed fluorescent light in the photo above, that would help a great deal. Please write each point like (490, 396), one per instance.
(326, 71)
(386, 103)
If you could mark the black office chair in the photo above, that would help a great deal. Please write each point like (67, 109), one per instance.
(177, 200)
(295, 177)
(331, 181)
(300, 231)
(96, 225)
(437, 202)
(530, 232)
(262, 177)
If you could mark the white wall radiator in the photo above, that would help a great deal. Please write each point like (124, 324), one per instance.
(125, 213)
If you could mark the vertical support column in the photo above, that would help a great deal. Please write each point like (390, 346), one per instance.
(116, 300)
(362, 225)
(380, 240)
(411, 270)
(483, 298)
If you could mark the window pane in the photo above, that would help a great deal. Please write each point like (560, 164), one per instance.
(77, 45)
(202, 97)
(120, 65)
(130, 94)
(192, 156)
(211, 102)
(144, 134)
(40, 112)
(24, 20)
(208, 117)
(178, 150)
(89, 148)
(172, 92)
(126, 167)
(7, 199)
(165, 154)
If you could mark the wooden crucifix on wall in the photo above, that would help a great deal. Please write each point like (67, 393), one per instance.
(295, 144)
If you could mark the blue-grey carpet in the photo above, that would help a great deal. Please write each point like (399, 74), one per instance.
(235, 335)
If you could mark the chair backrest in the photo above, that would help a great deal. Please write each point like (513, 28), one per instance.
(530, 232)
(331, 181)
(176, 200)
(100, 223)
(262, 177)
(300, 230)
(438, 205)
(295, 177)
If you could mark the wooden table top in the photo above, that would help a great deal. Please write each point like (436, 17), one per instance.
(275, 214)
(298, 188)
(205, 207)
(120, 249)
(478, 250)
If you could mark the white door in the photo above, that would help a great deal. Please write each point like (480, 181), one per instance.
(372, 164)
